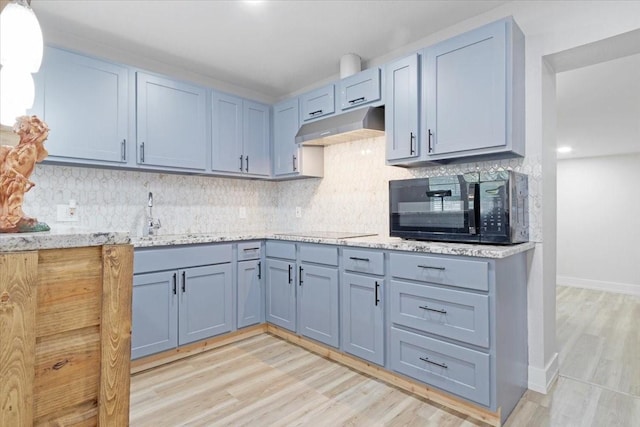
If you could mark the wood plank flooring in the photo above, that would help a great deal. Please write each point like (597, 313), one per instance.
(598, 336)
(265, 381)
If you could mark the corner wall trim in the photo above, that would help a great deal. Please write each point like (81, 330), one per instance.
(541, 380)
(598, 285)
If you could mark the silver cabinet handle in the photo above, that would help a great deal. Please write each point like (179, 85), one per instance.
(412, 140)
(426, 359)
(424, 307)
(357, 100)
(429, 267)
(429, 135)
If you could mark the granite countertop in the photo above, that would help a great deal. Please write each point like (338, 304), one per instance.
(60, 238)
(373, 242)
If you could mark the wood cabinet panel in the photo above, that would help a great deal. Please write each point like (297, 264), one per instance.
(72, 363)
(18, 274)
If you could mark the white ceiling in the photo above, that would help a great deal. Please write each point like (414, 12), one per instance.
(271, 47)
(598, 108)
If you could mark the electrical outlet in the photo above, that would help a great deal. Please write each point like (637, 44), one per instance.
(243, 212)
(66, 213)
(298, 212)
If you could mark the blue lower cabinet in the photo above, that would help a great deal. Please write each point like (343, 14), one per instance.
(154, 325)
(250, 301)
(280, 292)
(318, 304)
(205, 302)
(178, 307)
(458, 370)
(362, 317)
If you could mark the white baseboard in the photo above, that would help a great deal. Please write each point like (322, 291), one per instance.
(598, 285)
(541, 380)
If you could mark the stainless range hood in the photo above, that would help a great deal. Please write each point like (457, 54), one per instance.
(345, 127)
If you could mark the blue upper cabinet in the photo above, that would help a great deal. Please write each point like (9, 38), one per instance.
(473, 93)
(290, 159)
(360, 89)
(285, 127)
(317, 103)
(256, 140)
(240, 136)
(84, 102)
(226, 132)
(171, 124)
(402, 109)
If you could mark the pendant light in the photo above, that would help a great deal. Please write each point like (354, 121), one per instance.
(21, 48)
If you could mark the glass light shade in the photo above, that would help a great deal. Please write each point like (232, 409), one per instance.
(17, 92)
(20, 37)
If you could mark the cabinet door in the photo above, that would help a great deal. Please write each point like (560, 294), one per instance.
(317, 103)
(256, 138)
(171, 123)
(154, 326)
(465, 91)
(285, 127)
(84, 102)
(281, 293)
(402, 108)
(362, 317)
(318, 303)
(206, 302)
(226, 134)
(250, 301)
(360, 89)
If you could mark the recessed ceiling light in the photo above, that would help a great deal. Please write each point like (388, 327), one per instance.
(564, 149)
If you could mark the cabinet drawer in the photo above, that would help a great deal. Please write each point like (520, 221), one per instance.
(371, 262)
(452, 368)
(286, 250)
(174, 257)
(249, 250)
(360, 89)
(317, 103)
(454, 314)
(319, 254)
(442, 270)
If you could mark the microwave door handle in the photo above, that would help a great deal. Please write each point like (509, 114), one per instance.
(474, 211)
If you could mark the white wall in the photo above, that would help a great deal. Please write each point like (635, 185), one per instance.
(599, 223)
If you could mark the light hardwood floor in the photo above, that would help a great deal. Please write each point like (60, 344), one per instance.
(598, 336)
(265, 381)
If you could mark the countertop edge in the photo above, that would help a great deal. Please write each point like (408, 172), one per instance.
(374, 242)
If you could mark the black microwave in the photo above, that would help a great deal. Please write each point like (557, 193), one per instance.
(474, 207)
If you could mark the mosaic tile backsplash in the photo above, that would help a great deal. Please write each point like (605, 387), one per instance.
(352, 196)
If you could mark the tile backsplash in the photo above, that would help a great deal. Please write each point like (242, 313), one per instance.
(352, 196)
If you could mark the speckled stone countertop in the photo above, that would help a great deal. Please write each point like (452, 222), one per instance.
(59, 238)
(373, 242)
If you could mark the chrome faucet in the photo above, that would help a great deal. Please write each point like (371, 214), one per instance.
(151, 224)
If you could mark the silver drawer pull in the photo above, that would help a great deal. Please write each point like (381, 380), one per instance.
(426, 359)
(355, 258)
(424, 307)
(431, 267)
(250, 249)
